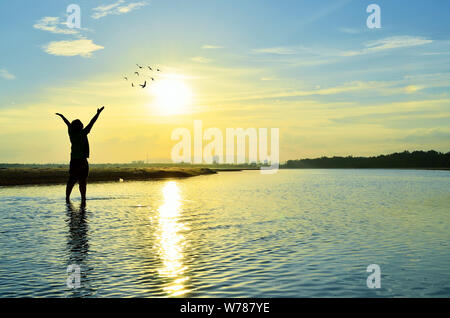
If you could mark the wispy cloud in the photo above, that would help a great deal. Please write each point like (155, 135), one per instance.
(279, 50)
(52, 24)
(435, 53)
(117, 8)
(211, 47)
(355, 86)
(267, 78)
(6, 75)
(390, 43)
(413, 88)
(301, 50)
(349, 30)
(82, 47)
(326, 10)
(427, 135)
(200, 59)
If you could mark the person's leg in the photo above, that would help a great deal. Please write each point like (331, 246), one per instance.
(82, 186)
(83, 180)
(70, 184)
(72, 180)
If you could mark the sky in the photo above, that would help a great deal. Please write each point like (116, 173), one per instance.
(313, 69)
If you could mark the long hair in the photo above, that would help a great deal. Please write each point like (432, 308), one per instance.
(76, 125)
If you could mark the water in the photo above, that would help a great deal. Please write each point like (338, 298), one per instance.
(298, 233)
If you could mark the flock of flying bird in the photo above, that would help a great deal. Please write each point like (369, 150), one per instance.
(137, 74)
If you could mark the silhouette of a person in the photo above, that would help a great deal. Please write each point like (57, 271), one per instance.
(79, 166)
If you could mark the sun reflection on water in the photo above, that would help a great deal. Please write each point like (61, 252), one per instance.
(171, 240)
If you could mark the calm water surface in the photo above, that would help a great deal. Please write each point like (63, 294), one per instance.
(298, 233)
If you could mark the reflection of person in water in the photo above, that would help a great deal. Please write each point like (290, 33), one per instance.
(78, 245)
(79, 166)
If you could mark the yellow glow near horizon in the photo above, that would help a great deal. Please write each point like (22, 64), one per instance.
(171, 95)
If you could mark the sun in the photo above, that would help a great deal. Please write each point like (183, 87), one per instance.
(170, 95)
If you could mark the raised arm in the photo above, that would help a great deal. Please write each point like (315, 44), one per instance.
(64, 118)
(93, 120)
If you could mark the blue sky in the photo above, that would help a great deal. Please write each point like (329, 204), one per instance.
(312, 68)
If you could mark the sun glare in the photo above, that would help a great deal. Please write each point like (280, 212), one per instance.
(171, 240)
(171, 95)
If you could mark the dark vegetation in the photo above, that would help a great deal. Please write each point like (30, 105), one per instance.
(400, 160)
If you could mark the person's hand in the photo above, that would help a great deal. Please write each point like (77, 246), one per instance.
(99, 110)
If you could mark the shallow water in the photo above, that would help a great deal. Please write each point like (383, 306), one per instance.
(297, 233)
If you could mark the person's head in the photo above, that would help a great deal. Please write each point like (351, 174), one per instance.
(76, 125)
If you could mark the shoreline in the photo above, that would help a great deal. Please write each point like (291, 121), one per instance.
(17, 176)
(49, 176)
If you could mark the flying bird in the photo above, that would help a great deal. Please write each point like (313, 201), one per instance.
(125, 77)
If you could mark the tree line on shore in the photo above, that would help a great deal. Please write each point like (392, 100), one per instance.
(405, 159)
